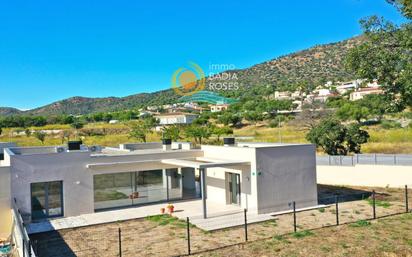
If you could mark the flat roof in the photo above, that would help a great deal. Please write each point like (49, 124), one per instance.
(202, 163)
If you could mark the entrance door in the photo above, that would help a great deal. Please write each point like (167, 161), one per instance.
(234, 188)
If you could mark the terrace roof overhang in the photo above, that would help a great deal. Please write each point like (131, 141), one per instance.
(204, 163)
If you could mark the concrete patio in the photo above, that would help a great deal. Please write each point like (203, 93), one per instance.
(219, 216)
(189, 208)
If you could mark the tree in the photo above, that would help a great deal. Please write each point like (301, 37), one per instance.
(355, 137)
(1, 131)
(353, 111)
(139, 131)
(385, 55)
(40, 135)
(311, 115)
(198, 133)
(142, 128)
(336, 139)
(171, 132)
(228, 118)
(220, 131)
(27, 132)
(77, 124)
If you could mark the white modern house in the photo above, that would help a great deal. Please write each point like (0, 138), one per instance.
(51, 182)
(176, 118)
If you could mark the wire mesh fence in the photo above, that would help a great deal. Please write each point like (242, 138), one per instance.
(374, 159)
(165, 235)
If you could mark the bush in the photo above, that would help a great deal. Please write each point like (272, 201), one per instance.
(390, 124)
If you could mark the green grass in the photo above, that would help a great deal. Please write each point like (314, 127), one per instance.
(360, 223)
(379, 203)
(322, 210)
(302, 234)
(165, 219)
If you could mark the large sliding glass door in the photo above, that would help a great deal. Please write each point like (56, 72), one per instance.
(135, 188)
(46, 200)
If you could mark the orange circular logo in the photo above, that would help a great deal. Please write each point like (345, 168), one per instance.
(188, 80)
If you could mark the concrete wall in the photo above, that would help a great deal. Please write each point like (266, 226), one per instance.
(216, 187)
(71, 168)
(5, 203)
(365, 175)
(285, 174)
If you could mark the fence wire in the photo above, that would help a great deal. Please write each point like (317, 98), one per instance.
(164, 235)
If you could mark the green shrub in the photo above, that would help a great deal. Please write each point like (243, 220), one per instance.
(301, 234)
(360, 223)
(390, 124)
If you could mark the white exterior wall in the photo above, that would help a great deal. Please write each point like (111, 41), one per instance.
(365, 175)
(216, 184)
(176, 119)
(5, 203)
(287, 174)
(78, 196)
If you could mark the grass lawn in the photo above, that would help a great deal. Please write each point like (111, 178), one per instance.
(384, 237)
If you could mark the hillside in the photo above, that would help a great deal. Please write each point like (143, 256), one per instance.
(314, 65)
(5, 111)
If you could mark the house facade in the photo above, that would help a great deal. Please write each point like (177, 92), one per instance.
(176, 118)
(48, 182)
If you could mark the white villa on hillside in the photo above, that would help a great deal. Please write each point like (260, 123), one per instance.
(176, 118)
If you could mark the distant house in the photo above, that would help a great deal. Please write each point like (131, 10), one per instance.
(219, 107)
(282, 95)
(350, 85)
(360, 93)
(176, 118)
(113, 121)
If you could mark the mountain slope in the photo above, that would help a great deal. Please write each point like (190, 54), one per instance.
(314, 65)
(6, 111)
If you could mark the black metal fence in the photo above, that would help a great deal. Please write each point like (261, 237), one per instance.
(163, 235)
(22, 245)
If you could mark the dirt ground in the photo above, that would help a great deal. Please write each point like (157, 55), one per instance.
(166, 236)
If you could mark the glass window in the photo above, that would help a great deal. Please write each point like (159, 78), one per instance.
(46, 199)
(112, 190)
(175, 188)
(150, 185)
(134, 188)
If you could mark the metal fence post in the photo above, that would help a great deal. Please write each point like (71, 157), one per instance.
(340, 159)
(337, 209)
(120, 242)
(29, 247)
(406, 199)
(294, 216)
(357, 158)
(329, 159)
(374, 204)
(245, 212)
(376, 159)
(188, 235)
(394, 159)
(24, 247)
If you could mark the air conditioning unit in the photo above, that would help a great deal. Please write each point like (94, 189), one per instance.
(95, 148)
(60, 149)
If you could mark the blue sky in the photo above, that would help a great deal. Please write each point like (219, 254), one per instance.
(51, 50)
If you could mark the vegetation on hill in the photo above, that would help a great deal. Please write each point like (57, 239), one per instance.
(307, 68)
